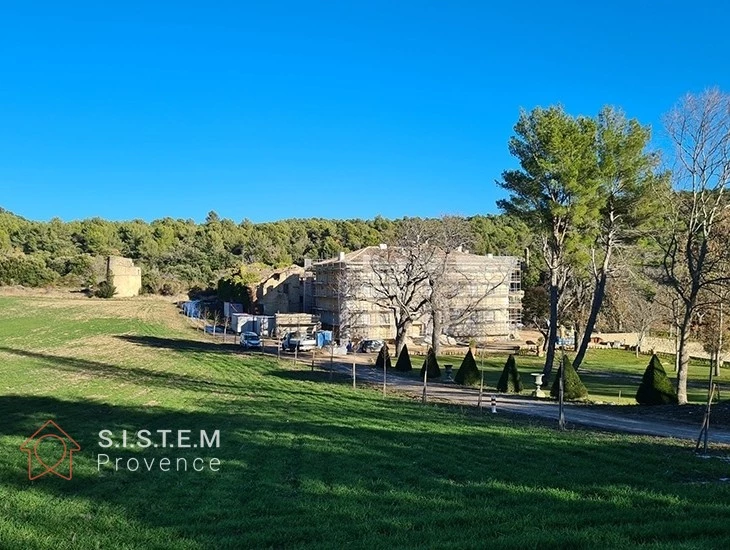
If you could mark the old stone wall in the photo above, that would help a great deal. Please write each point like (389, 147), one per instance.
(124, 276)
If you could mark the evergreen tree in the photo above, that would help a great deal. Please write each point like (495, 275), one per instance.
(404, 360)
(574, 388)
(431, 366)
(383, 358)
(655, 387)
(510, 381)
(468, 373)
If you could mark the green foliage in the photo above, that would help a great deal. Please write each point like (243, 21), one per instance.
(655, 387)
(431, 366)
(574, 388)
(178, 254)
(468, 373)
(383, 358)
(105, 290)
(26, 270)
(509, 381)
(404, 360)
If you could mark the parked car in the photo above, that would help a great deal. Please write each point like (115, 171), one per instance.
(298, 341)
(251, 340)
(370, 346)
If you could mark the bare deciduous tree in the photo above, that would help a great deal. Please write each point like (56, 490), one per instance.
(699, 129)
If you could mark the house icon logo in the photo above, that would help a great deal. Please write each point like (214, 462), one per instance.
(50, 451)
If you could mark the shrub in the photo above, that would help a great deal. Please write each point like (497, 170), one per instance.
(510, 381)
(383, 358)
(655, 387)
(105, 290)
(403, 364)
(468, 373)
(431, 366)
(574, 388)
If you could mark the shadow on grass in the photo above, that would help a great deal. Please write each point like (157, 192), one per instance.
(180, 344)
(299, 481)
(135, 375)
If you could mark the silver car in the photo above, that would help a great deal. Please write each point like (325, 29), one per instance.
(251, 340)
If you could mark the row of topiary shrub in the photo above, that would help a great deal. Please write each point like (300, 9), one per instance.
(655, 387)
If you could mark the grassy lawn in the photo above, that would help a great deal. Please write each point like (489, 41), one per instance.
(604, 372)
(307, 463)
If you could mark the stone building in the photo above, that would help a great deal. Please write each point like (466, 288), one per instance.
(280, 291)
(123, 274)
(482, 295)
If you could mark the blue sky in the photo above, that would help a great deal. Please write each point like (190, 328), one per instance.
(273, 110)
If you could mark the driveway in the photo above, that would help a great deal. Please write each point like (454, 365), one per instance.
(542, 408)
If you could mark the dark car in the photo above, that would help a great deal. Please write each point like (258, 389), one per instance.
(251, 340)
(370, 346)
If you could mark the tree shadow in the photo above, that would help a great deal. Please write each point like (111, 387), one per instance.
(135, 375)
(292, 481)
(180, 344)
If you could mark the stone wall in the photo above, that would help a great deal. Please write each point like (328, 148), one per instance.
(124, 276)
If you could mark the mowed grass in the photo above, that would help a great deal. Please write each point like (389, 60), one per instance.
(610, 375)
(305, 462)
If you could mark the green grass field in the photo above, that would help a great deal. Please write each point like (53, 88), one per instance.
(305, 462)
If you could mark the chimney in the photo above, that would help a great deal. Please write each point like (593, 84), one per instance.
(383, 246)
(341, 257)
(307, 263)
(490, 256)
(460, 248)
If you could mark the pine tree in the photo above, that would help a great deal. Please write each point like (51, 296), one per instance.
(574, 388)
(383, 358)
(404, 360)
(655, 387)
(468, 373)
(510, 381)
(431, 364)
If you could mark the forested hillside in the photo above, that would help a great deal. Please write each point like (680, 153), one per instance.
(177, 254)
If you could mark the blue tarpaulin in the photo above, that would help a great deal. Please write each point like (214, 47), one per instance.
(324, 337)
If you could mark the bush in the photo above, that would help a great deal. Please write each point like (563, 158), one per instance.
(404, 360)
(510, 381)
(468, 373)
(655, 387)
(383, 358)
(431, 366)
(574, 388)
(105, 290)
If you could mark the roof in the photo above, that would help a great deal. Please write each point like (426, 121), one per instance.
(459, 256)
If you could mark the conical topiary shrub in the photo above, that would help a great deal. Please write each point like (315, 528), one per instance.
(655, 387)
(403, 364)
(468, 372)
(510, 381)
(383, 358)
(431, 365)
(574, 388)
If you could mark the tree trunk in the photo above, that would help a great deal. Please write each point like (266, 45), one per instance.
(437, 326)
(401, 331)
(718, 355)
(676, 347)
(683, 365)
(598, 295)
(553, 329)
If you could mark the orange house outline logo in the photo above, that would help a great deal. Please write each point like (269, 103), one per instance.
(63, 467)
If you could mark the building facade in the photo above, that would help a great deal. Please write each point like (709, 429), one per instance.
(479, 296)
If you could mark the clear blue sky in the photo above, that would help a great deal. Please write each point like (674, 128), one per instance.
(269, 110)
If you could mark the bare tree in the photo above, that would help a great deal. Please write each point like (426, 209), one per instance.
(397, 282)
(699, 129)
